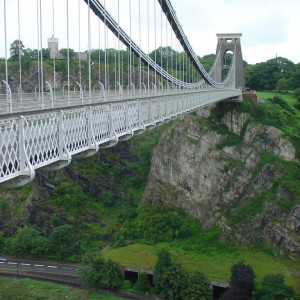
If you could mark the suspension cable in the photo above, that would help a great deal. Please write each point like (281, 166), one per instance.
(105, 49)
(148, 66)
(140, 60)
(99, 52)
(38, 49)
(155, 50)
(54, 56)
(89, 52)
(68, 52)
(130, 62)
(41, 44)
(8, 100)
(20, 62)
(79, 42)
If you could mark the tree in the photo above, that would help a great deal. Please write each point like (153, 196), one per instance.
(297, 94)
(27, 241)
(111, 276)
(274, 288)
(16, 49)
(101, 273)
(142, 283)
(198, 288)
(282, 85)
(64, 240)
(174, 282)
(64, 52)
(162, 264)
(241, 283)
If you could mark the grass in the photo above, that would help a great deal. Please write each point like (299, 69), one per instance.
(288, 97)
(29, 289)
(216, 267)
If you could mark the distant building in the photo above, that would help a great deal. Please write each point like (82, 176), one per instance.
(53, 47)
(54, 53)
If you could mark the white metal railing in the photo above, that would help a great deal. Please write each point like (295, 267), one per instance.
(49, 138)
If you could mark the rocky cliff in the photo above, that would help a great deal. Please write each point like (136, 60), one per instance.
(238, 177)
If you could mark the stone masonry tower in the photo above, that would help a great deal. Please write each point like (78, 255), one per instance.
(230, 43)
(53, 47)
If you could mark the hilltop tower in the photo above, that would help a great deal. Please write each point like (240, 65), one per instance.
(230, 43)
(53, 47)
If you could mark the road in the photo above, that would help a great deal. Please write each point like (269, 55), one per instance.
(21, 266)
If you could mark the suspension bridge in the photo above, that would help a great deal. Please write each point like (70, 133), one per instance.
(112, 90)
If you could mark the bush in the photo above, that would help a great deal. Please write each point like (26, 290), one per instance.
(142, 283)
(297, 94)
(273, 287)
(241, 283)
(198, 288)
(64, 241)
(162, 264)
(27, 241)
(101, 273)
(279, 101)
(174, 282)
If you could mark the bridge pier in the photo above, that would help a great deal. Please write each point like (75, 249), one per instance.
(230, 42)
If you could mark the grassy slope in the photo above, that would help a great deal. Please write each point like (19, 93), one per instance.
(288, 97)
(215, 266)
(19, 289)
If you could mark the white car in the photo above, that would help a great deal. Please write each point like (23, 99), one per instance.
(2, 259)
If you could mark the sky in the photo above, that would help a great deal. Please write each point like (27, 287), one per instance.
(268, 27)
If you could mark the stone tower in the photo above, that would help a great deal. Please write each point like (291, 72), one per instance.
(230, 42)
(53, 47)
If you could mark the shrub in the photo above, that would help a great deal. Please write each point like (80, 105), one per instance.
(273, 287)
(162, 264)
(297, 94)
(101, 273)
(142, 283)
(174, 282)
(198, 288)
(241, 283)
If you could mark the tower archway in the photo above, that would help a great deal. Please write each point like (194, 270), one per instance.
(229, 49)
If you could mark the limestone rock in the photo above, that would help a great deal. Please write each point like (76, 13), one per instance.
(189, 171)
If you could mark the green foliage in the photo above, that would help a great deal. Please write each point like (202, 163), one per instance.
(282, 85)
(27, 241)
(100, 273)
(16, 49)
(142, 283)
(65, 52)
(241, 282)
(266, 75)
(274, 288)
(297, 94)
(163, 263)
(156, 224)
(198, 288)
(174, 281)
(231, 139)
(279, 101)
(64, 241)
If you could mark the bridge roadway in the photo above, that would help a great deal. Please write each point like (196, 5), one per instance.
(25, 102)
(49, 138)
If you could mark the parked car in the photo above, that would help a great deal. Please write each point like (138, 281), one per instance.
(2, 259)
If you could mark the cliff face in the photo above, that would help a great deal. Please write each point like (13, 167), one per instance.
(240, 186)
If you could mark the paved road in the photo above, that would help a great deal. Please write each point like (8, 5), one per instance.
(37, 266)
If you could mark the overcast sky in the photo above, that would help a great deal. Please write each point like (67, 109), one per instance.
(268, 27)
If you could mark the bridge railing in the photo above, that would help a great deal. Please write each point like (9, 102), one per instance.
(49, 138)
